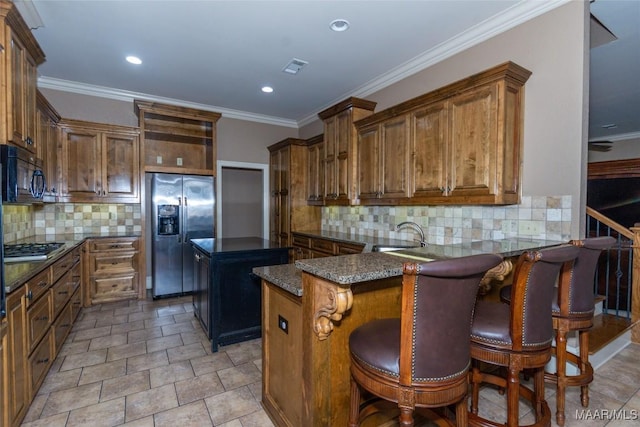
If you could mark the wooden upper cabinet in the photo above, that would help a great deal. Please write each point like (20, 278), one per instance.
(383, 161)
(100, 163)
(48, 146)
(340, 149)
(315, 171)
(428, 152)
(463, 142)
(288, 171)
(177, 139)
(18, 81)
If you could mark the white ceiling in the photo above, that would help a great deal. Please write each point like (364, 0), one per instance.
(216, 55)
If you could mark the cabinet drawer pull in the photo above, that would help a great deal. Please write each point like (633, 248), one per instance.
(41, 361)
(42, 284)
(30, 295)
(63, 292)
(41, 318)
(65, 325)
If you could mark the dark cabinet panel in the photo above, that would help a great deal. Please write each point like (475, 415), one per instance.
(234, 295)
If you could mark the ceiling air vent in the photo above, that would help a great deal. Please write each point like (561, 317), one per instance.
(294, 66)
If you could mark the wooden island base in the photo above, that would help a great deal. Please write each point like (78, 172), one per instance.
(306, 368)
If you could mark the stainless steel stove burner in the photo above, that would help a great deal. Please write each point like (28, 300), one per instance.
(22, 252)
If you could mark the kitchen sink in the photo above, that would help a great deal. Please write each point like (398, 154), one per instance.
(383, 248)
(402, 253)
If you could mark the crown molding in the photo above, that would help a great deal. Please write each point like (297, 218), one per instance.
(510, 18)
(129, 96)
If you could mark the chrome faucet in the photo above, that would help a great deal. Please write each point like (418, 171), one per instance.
(423, 242)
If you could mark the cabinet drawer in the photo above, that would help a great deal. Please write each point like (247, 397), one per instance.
(61, 328)
(37, 286)
(61, 266)
(76, 277)
(76, 304)
(61, 292)
(38, 321)
(322, 246)
(301, 241)
(346, 249)
(112, 263)
(39, 363)
(113, 288)
(120, 244)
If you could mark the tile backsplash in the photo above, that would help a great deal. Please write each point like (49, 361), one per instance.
(541, 217)
(69, 218)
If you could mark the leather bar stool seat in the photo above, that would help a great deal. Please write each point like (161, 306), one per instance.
(420, 360)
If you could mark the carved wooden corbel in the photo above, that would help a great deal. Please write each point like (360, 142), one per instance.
(329, 304)
(498, 273)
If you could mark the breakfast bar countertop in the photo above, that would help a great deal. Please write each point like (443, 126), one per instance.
(351, 269)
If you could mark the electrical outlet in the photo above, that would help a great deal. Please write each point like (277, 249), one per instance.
(159, 160)
(283, 324)
(179, 161)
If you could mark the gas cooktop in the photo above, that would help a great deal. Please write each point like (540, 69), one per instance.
(23, 252)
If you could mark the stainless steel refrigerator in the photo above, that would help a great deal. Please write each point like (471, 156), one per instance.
(182, 208)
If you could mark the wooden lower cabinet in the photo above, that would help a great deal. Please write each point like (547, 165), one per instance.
(305, 247)
(112, 269)
(3, 358)
(282, 355)
(40, 315)
(15, 396)
(38, 321)
(39, 362)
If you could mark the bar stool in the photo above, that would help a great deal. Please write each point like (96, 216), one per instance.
(422, 359)
(518, 336)
(573, 311)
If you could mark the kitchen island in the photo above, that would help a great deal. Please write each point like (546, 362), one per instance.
(309, 310)
(226, 297)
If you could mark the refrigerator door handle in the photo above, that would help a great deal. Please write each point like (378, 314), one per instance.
(185, 215)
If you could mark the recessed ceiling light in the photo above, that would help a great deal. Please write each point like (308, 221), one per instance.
(134, 60)
(267, 89)
(339, 25)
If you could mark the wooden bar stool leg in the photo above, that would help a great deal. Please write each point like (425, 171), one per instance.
(561, 374)
(513, 396)
(538, 387)
(354, 410)
(584, 362)
(476, 378)
(462, 414)
(406, 417)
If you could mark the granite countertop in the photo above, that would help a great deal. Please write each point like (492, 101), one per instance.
(213, 246)
(369, 242)
(352, 269)
(17, 273)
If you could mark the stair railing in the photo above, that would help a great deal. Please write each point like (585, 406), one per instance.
(618, 275)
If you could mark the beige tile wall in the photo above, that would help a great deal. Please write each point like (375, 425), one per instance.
(536, 217)
(69, 218)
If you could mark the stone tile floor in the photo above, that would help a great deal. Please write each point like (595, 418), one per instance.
(148, 363)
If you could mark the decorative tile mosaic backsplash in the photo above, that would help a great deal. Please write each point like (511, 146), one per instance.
(69, 218)
(536, 217)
